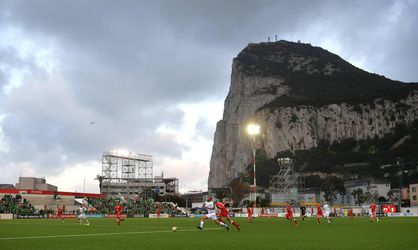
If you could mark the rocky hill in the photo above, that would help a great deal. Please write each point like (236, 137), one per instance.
(304, 97)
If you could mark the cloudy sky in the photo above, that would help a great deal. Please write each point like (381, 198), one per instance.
(153, 75)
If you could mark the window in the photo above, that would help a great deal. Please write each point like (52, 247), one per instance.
(414, 189)
(414, 197)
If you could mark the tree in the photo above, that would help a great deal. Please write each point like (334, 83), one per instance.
(220, 194)
(100, 178)
(261, 202)
(382, 199)
(239, 190)
(331, 186)
(359, 196)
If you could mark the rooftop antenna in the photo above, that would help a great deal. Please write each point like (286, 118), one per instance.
(276, 37)
(268, 38)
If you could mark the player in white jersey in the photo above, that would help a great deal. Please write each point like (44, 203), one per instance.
(82, 215)
(209, 205)
(327, 212)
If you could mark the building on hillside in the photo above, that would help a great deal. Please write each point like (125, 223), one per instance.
(405, 193)
(372, 188)
(32, 183)
(413, 194)
(405, 197)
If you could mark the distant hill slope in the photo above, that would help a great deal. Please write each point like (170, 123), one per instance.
(307, 99)
(315, 76)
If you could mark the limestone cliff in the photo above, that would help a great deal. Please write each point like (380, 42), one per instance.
(301, 94)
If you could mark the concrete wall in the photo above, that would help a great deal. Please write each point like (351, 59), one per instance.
(6, 216)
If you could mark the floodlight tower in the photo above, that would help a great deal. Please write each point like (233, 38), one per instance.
(124, 171)
(286, 180)
(254, 130)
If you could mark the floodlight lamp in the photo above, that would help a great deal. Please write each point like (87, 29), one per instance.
(121, 152)
(253, 129)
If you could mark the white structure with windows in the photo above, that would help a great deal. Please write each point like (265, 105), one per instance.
(413, 194)
(372, 187)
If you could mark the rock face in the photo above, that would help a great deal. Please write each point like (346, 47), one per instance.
(299, 95)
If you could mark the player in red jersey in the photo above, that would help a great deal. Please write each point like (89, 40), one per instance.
(373, 216)
(158, 210)
(319, 213)
(118, 210)
(223, 212)
(350, 213)
(59, 214)
(250, 214)
(289, 214)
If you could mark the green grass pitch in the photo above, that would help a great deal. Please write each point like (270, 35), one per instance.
(263, 233)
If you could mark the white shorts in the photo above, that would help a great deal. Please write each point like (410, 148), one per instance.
(82, 216)
(212, 216)
(327, 213)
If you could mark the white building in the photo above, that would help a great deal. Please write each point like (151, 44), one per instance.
(373, 187)
(413, 194)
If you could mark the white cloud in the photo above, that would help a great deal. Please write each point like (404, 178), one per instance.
(4, 148)
(79, 177)
(193, 167)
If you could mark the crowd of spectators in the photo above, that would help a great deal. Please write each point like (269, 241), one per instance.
(16, 205)
(133, 207)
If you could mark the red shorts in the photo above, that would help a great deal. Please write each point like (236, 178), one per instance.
(59, 215)
(118, 216)
(374, 213)
(289, 215)
(319, 215)
(225, 215)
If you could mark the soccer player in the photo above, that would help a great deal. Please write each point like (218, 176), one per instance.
(350, 213)
(59, 214)
(209, 205)
(250, 214)
(223, 212)
(158, 210)
(303, 212)
(289, 214)
(118, 210)
(82, 215)
(373, 216)
(327, 212)
(319, 213)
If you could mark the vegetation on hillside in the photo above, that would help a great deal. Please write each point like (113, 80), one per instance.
(315, 76)
(350, 159)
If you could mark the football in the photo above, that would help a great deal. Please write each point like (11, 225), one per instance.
(174, 229)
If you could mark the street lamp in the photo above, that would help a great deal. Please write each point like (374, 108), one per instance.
(253, 130)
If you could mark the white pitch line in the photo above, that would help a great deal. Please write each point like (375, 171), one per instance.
(76, 224)
(97, 234)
